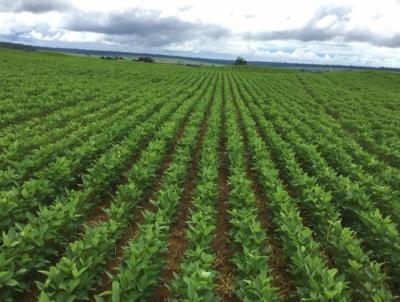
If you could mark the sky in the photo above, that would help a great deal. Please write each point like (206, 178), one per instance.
(351, 32)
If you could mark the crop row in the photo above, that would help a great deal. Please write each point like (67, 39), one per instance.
(357, 210)
(20, 142)
(253, 278)
(28, 247)
(196, 277)
(366, 279)
(348, 156)
(142, 260)
(67, 170)
(88, 255)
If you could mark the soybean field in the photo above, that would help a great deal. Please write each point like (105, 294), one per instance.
(128, 181)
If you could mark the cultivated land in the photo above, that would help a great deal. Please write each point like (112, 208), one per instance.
(126, 181)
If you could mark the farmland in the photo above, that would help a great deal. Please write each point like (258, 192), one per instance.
(127, 181)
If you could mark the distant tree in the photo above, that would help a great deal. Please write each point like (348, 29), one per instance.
(240, 61)
(145, 59)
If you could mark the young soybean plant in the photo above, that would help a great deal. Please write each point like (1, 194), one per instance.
(142, 264)
(28, 249)
(196, 278)
(365, 278)
(77, 272)
(254, 282)
(314, 281)
(37, 147)
(351, 199)
(378, 231)
(312, 116)
(381, 196)
(53, 181)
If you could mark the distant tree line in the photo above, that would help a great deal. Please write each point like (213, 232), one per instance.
(140, 59)
(17, 46)
(111, 58)
(145, 59)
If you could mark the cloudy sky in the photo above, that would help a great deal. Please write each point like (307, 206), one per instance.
(362, 32)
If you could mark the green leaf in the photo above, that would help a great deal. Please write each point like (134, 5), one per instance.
(12, 282)
(43, 297)
(116, 292)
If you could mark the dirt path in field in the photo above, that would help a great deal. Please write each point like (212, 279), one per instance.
(276, 262)
(221, 243)
(177, 238)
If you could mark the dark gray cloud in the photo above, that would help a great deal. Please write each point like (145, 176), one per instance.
(34, 6)
(393, 41)
(336, 31)
(144, 26)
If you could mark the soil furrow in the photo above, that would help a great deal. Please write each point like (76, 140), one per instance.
(221, 243)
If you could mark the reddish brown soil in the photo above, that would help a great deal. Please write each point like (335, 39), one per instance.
(30, 296)
(221, 243)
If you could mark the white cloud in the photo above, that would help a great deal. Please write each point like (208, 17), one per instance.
(318, 31)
